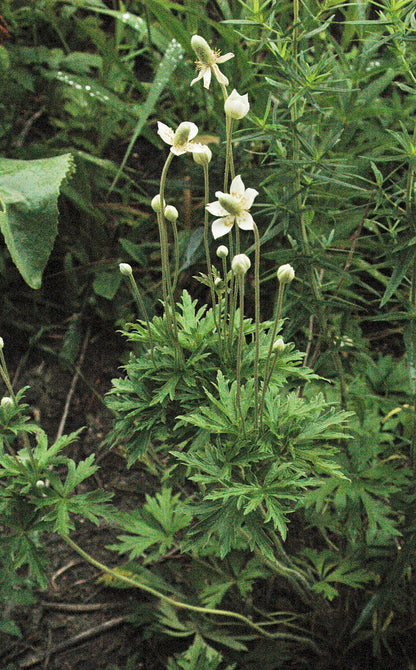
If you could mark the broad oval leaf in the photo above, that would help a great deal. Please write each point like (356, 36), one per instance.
(29, 192)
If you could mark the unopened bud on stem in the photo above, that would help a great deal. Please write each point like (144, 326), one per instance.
(279, 346)
(202, 157)
(240, 264)
(222, 251)
(125, 269)
(285, 274)
(156, 205)
(171, 213)
(236, 106)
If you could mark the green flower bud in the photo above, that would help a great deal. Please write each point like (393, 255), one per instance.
(217, 282)
(171, 213)
(285, 274)
(1, 343)
(202, 157)
(240, 264)
(125, 269)
(236, 106)
(6, 402)
(222, 251)
(279, 345)
(156, 204)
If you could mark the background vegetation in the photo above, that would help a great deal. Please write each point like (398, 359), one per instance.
(330, 144)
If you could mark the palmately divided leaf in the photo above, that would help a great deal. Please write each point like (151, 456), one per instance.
(160, 519)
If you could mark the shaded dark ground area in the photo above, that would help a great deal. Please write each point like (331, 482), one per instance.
(79, 623)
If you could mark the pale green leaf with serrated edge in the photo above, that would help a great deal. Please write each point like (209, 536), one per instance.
(29, 193)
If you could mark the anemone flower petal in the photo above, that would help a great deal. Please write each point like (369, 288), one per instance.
(196, 147)
(222, 226)
(206, 73)
(248, 197)
(220, 77)
(216, 209)
(165, 132)
(237, 186)
(193, 131)
(225, 57)
(245, 221)
(200, 75)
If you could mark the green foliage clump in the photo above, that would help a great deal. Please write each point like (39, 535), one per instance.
(280, 525)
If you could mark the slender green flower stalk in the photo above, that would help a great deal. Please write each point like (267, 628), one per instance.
(158, 207)
(240, 264)
(233, 307)
(409, 210)
(164, 247)
(180, 142)
(409, 207)
(204, 160)
(222, 252)
(268, 369)
(171, 215)
(236, 107)
(229, 159)
(285, 274)
(127, 271)
(256, 319)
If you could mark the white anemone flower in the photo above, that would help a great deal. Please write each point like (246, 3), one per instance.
(232, 208)
(207, 62)
(237, 106)
(180, 140)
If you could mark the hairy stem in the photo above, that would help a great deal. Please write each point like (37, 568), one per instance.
(257, 320)
(217, 319)
(268, 369)
(142, 308)
(240, 350)
(176, 255)
(164, 248)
